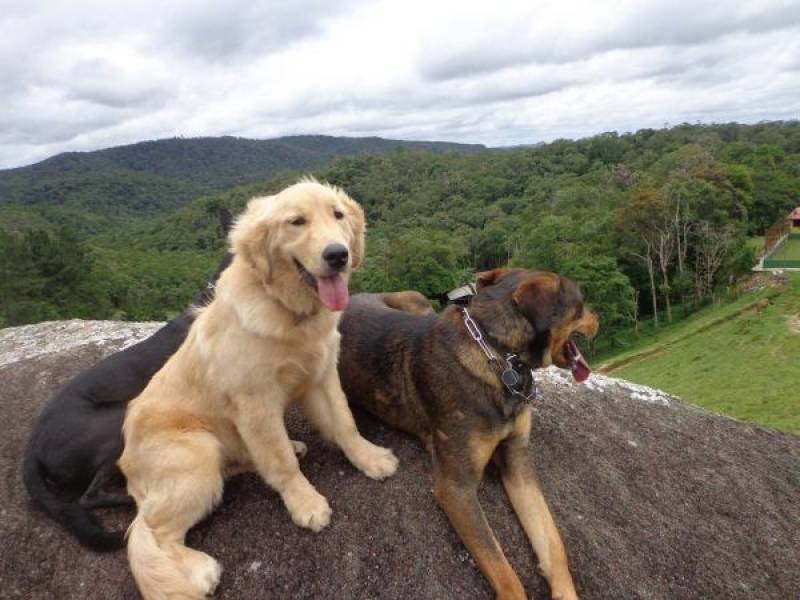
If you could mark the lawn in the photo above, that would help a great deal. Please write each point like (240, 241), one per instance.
(729, 360)
(789, 250)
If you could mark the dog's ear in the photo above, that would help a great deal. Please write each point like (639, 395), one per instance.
(538, 299)
(358, 225)
(488, 278)
(250, 237)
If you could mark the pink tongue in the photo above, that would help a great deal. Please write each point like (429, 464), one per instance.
(333, 292)
(581, 370)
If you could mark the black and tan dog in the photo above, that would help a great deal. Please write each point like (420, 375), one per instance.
(434, 380)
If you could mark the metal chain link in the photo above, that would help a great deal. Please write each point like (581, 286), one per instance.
(475, 332)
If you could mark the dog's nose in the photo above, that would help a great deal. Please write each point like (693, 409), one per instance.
(336, 256)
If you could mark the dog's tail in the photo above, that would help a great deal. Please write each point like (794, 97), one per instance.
(158, 574)
(74, 517)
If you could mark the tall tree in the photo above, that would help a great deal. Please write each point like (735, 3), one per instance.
(646, 234)
(712, 246)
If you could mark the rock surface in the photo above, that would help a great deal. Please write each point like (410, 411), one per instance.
(655, 500)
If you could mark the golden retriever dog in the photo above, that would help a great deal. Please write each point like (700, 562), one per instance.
(267, 339)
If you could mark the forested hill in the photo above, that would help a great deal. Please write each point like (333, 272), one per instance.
(156, 176)
(656, 219)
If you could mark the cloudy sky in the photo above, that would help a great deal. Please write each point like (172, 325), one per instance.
(82, 75)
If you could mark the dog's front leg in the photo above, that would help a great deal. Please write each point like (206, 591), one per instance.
(522, 487)
(457, 470)
(326, 406)
(263, 431)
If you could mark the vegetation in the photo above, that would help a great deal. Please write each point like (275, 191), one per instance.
(654, 225)
(43, 277)
(651, 224)
(46, 276)
(92, 192)
(727, 358)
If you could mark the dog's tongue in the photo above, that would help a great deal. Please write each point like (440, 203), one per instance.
(580, 368)
(333, 292)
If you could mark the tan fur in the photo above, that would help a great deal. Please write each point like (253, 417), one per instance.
(217, 406)
(409, 301)
(531, 507)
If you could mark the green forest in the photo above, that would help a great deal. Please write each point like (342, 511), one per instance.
(652, 224)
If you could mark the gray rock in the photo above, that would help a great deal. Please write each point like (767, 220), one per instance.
(655, 500)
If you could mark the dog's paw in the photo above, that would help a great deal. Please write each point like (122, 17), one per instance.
(204, 572)
(299, 448)
(311, 510)
(377, 462)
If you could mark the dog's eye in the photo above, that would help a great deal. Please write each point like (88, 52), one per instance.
(297, 221)
(338, 214)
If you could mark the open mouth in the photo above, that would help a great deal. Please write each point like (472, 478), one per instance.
(332, 289)
(577, 364)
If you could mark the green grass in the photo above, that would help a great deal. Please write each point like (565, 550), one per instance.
(728, 359)
(789, 250)
(651, 338)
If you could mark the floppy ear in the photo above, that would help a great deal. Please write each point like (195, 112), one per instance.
(250, 237)
(538, 299)
(488, 278)
(355, 216)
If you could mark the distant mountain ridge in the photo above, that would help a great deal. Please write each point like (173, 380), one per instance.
(225, 156)
(158, 176)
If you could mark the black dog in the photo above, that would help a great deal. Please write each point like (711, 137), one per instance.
(73, 450)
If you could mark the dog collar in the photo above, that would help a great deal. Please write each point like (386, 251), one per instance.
(515, 376)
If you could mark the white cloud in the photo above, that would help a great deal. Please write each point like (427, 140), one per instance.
(82, 75)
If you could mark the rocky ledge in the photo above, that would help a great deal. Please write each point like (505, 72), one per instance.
(655, 499)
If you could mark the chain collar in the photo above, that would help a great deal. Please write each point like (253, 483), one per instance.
(510, 369)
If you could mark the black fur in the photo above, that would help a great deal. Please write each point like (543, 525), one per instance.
(72, 454)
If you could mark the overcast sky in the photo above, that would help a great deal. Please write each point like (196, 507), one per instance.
(79, 75)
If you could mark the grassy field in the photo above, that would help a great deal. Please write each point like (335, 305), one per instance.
(789, 250)
(728, 359)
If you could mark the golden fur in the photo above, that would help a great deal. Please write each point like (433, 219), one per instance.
(217, 406)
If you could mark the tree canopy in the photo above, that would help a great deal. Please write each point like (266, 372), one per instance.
(641, 220)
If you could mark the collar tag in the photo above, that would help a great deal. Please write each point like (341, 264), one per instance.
(510, 378)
